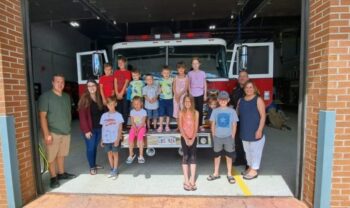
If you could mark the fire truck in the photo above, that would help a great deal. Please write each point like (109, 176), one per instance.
(149, 53)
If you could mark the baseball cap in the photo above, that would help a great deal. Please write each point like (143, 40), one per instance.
(223, 95)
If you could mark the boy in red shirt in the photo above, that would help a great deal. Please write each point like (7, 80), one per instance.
(106, 83)
(122, 77)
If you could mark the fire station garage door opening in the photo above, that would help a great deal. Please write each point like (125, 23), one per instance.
(76, 38)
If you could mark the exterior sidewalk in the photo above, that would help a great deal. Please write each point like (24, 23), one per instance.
(89, 201)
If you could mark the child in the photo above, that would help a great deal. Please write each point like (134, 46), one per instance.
(122, 78)
(136, 84)
(198, 88)
(212, 104)
(223, 127)
(180, 88)
(151, 93)
(138, 129)
(106, 83)
(188, 125)
(111, 122)
(166, 99)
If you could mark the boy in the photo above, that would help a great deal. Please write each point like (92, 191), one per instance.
(151, 93)
(111, 122)
(122, 77)
(223, 127)
(135, 85)
(166, 99)
(107, 83)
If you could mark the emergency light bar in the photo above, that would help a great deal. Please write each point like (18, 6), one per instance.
(168, 36)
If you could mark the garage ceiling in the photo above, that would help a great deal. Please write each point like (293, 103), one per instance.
(143, 16)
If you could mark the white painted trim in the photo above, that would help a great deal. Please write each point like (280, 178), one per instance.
(179, 42)
(217, 79)
(271, 64)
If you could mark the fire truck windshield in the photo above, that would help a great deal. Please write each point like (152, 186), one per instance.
(151, 59)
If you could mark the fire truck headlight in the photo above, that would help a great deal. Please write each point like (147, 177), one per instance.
(266, 95)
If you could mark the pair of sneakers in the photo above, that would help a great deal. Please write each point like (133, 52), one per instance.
(113, 174)
(131, 159)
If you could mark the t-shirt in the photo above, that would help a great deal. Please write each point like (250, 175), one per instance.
(108, 85)
(151, 92)
(58, 109)
(224, 119)
(110, 126)
(197, 81)
(96, 114)
(122, 76)
(138, 116)
(166, 88)
(136, 88)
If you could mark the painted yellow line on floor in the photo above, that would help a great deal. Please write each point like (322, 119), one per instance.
(240, 182)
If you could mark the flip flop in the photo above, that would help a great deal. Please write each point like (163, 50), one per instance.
(99, 167)
(93, 171)
(249, 177)
(231, 179)
(193, 187)
(187, 187)
(212, 177)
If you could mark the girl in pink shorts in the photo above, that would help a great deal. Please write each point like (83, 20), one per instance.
(138, 117)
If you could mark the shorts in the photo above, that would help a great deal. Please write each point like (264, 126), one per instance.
(59, 147)
(152, 113)
(110, 147)
(226, 143)
(140, 135)
(165, 107)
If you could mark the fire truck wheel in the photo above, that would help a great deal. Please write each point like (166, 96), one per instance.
(150, 152)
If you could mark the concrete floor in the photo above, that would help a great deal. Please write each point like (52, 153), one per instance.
(162, 174)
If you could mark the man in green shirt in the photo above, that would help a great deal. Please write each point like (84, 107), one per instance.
(55, 120)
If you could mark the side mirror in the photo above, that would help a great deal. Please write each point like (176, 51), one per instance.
(243, 57)
(97, 68)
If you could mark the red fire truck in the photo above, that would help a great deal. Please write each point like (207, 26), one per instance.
(149, 53)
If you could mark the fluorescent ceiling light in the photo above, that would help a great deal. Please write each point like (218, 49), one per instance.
(212, 27)
(74, 23)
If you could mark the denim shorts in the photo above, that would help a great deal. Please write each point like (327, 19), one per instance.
(152, 113)
(110, 147)
(165, 107)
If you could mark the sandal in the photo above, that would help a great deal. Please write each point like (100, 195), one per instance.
(231, 179)
(193, 187)
(98, 166)
(212, 177)
(160, 129)
(187, 187)
(93, 171)
(250, 177)
(167, 129)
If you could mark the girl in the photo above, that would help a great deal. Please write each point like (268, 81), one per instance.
(122, 78)
(252, 116)
(180, 88)
(188, 125)
(198, 88)
(90, 108)
(138, 129)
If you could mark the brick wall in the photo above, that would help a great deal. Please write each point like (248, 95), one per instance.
(13, 94)
(329, 89)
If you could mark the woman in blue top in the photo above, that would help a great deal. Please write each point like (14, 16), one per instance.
(251, 110)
